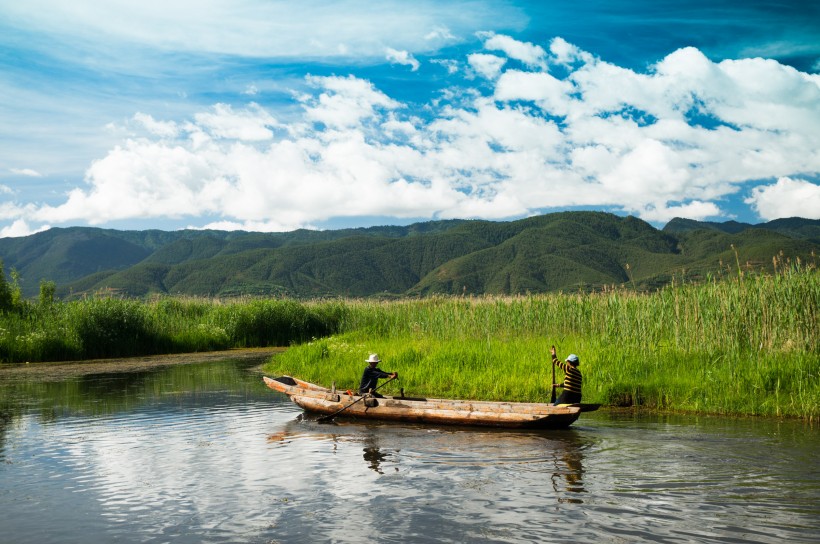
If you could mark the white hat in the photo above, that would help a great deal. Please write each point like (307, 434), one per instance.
(374, 358)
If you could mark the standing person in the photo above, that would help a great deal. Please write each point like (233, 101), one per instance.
(572, 378)
(371, 375)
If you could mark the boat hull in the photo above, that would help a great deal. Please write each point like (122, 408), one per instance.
(320, 400)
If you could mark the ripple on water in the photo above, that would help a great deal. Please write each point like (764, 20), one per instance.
(234, 466)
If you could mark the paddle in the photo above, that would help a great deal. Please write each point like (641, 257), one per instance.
(552, 363)
(329, 417)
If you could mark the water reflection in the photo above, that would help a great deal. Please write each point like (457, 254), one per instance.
(569, 472)
(308, 427)
(208, 454)
(557, 454)
(108, 393)
(375, 457)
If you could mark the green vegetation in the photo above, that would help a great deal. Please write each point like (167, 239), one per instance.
(567, 251)
(741, 343)
(109, 327)
(744, 345)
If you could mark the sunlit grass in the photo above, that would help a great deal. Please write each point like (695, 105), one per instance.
(741, 344)
(109, 327)
(745, 345)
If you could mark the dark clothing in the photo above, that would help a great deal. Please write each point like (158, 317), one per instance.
(572, 383)
(568, 398)
(370, 379)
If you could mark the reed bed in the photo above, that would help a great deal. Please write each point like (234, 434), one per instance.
(110, 327)
(746, 344)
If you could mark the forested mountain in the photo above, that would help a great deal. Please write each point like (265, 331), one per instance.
(793, 227)
(560, 251)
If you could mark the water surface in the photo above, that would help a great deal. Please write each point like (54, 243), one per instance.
(206, 453)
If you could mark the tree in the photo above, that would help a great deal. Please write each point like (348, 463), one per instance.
(48, 289)
(6, 293)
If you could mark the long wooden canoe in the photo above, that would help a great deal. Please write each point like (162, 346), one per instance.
(321, 400)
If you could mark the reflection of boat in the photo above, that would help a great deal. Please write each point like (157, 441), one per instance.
(318, 399)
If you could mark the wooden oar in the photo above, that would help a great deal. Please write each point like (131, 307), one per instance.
(329, 417)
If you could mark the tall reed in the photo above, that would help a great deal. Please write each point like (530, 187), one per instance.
(109, 327)
(746, 345)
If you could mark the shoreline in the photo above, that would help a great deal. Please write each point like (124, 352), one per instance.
(59, 370)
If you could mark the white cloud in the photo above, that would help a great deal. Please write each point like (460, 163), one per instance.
(564, 52)
(251, 124)
(530, 54)
(20, 228)
(697, 210)
(163, 129)
(673, 141)
(345, 101)
(549, 93)
(402, 57)
(440, 33)
(786, 198)
(28, 172)
(449, 64)
(259, 28)
(488, 66)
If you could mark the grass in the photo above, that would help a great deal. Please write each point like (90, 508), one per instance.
(744, 345)
(109, 327)
(739, 344)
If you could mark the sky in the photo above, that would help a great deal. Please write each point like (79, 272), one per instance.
(268, 115)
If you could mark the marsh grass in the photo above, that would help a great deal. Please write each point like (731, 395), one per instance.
(109, 327)
(740, 344)
(743, 345)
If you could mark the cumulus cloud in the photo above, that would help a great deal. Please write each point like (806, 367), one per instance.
(675, 140)
(488, 66)
(163, 129)
(251, 124)
(564, 52)
(786, 198)
(530, 54)
(20, 228)
(344, 102)
(402, 57)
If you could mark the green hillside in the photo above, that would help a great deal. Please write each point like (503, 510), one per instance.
(555, 252)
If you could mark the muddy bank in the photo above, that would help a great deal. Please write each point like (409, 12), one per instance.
(63, 370)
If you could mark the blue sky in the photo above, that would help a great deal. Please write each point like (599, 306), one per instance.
(269, 115)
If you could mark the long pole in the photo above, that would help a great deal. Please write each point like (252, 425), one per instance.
(552, 386)
(324, 419)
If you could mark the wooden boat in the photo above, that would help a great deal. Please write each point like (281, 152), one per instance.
(321, 400)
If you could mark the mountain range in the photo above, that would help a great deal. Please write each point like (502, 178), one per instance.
(566, 251)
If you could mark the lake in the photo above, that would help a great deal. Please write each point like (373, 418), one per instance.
(206, 453)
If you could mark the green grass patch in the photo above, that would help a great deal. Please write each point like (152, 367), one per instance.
(742, 345)
(745, 344)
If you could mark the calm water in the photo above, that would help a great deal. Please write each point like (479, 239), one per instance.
(205, 453)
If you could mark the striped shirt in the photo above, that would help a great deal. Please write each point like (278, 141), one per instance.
(572, 376)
